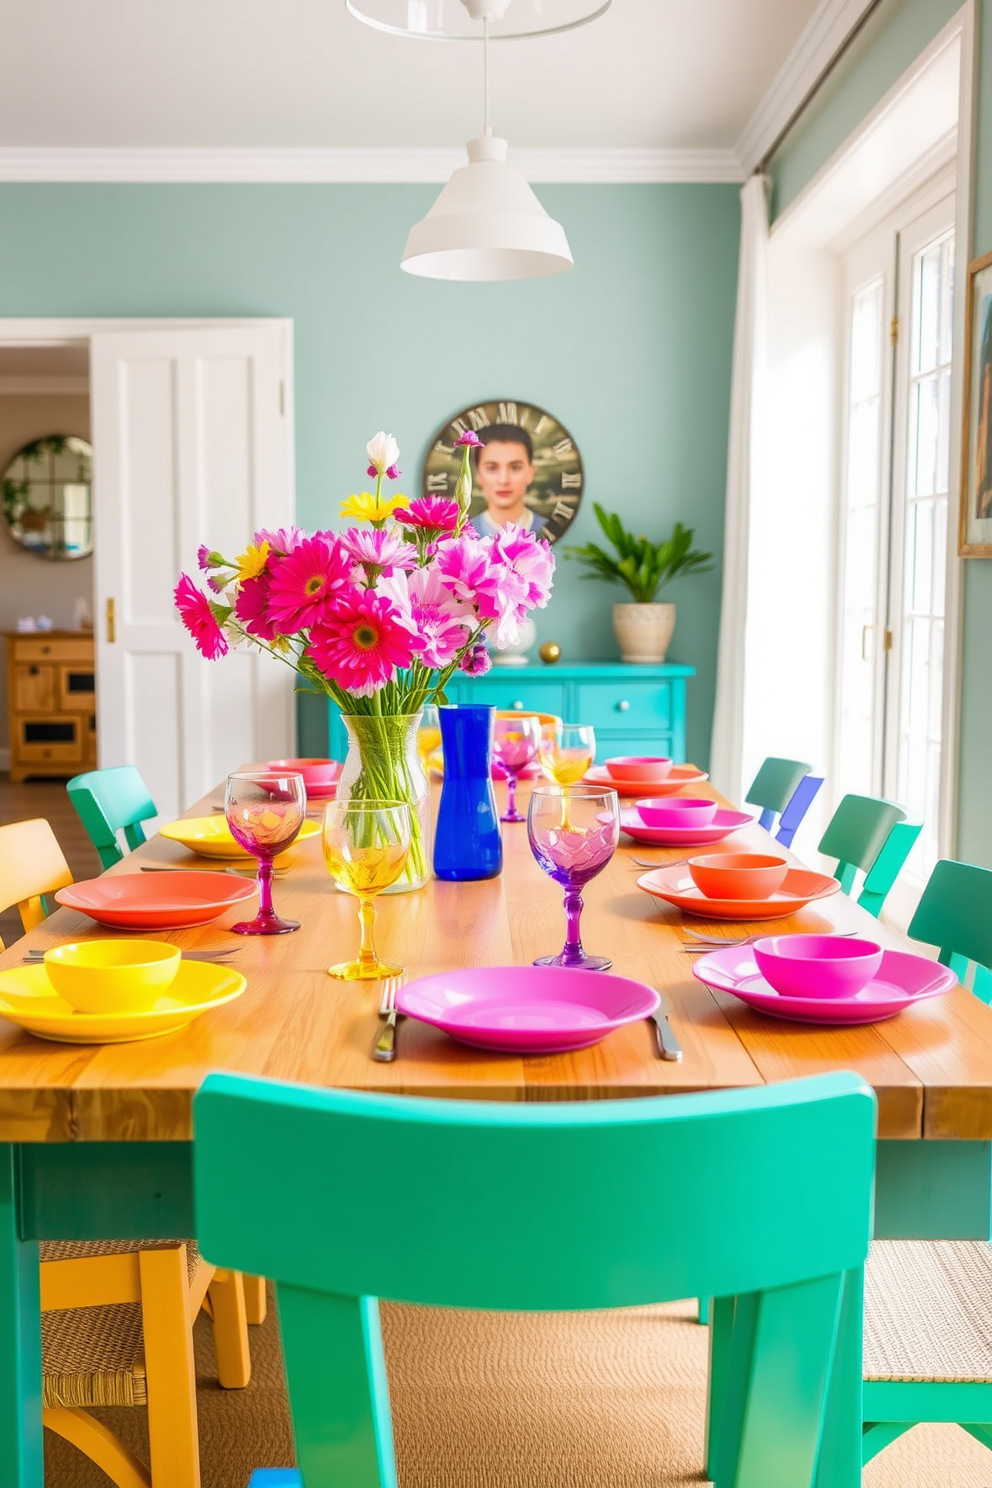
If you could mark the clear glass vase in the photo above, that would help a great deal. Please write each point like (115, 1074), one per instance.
(384, 764)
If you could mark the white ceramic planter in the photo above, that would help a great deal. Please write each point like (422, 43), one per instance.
(643, 631)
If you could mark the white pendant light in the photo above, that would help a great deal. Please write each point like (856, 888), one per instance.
(457, 20)
(487, 224)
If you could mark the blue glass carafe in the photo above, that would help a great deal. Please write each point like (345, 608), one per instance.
(467, 842)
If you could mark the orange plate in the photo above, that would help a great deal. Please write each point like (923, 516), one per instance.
(680, 776)
(676, 887)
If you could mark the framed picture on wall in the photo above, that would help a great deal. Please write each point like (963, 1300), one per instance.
(528, 471)
(976, 458)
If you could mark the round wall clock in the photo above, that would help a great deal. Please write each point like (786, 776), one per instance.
(528, 470)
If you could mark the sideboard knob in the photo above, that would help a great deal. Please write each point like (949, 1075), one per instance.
(518, 707)
(622, 705)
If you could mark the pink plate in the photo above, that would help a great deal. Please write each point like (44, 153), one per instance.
(158, 901)
(526, 1009)
(676, 886)
(722, 824)
(902, 980)
(681, 775)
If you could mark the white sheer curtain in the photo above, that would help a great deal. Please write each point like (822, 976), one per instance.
(746, 392)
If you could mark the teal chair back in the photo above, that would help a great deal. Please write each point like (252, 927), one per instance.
(774, 786)
(111, 801)
(887, 866)
(343, 1197)
(856, 834)
(955, 914)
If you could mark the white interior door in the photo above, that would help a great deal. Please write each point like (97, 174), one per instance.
(193, 443)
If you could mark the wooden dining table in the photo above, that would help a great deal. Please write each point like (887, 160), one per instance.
(95, 1140)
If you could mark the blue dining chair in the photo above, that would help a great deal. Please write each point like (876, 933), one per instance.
(112, 803)
(344, 1197)
(796, 808)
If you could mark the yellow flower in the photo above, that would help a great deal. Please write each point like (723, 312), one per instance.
(252, 561)
(367, 507)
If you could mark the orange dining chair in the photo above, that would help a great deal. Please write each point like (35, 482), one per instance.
(31, 865)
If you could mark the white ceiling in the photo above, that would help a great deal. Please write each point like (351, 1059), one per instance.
(651, 74)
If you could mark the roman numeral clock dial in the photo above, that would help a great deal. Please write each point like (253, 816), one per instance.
(529, 470)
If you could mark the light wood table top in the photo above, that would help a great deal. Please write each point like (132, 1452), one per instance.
(931, 1066)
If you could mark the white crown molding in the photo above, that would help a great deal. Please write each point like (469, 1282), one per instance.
(340, 166)
(41, 385)
(830, 26)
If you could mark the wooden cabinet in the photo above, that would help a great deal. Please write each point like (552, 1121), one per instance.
(634, 709)
(52, 695)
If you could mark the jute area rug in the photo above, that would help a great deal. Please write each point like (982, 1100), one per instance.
(608, 1400)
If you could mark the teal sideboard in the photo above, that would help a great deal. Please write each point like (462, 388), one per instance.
(634, 709)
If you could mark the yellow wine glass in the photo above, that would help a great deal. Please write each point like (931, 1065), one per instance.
(428, 735)
(566, 752)
(366, 844)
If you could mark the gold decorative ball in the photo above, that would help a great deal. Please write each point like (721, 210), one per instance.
(550, 652)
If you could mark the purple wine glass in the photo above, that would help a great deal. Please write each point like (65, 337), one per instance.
(265, 810)
(515, 745)
(573, 832)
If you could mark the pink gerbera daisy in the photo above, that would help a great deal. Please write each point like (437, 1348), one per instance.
(362, 645)
(279, 539)
(199, 618)
(430, 514)
(252, 607)
(378, 551)
(305, 584)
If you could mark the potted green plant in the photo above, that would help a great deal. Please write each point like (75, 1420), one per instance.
(643, 627)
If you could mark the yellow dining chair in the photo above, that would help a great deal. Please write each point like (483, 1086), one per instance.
(31, 865)
(116, 1329)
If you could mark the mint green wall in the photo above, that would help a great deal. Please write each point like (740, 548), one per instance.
(632, 349)
(897, 34)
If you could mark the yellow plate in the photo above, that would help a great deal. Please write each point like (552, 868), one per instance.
(28, 999)
(210, 836)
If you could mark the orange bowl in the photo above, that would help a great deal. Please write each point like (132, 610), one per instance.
(737, 875)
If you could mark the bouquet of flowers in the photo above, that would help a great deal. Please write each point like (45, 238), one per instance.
(378, 617)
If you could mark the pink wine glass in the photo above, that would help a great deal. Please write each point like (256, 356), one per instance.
(573, 832)
(265, 810)
(515, 745)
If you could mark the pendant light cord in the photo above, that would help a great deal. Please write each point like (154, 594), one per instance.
(486, 126)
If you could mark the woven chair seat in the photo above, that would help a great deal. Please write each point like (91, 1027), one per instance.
(96, 1355)
(928, 1311)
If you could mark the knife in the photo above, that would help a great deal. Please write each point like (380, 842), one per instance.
(668, 1045)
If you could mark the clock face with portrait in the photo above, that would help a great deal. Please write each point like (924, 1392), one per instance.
(528, 471)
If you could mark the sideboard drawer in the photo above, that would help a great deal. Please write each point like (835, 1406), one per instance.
(33, 688)
(518, 695)
(54, 649)
(637, 707)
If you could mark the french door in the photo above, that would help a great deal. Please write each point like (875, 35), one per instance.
(894, 518)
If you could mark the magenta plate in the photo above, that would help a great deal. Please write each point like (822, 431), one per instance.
(526, 1009)
(903, 979)
(721, 826)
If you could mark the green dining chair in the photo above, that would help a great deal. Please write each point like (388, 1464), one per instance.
(857, 835)
(760, 1197)
(955, 914)
(774, 786)
(111, 802)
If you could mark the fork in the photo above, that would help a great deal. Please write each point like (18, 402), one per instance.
(719, 942)
(384, 1049)
(657, 862)
(219, 955)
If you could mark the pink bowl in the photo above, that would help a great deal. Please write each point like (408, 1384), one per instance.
(320, 776)
(646, 767)
(676, 811)
(817, 965)
(737, 875)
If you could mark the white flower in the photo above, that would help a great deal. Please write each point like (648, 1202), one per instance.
(383, 451)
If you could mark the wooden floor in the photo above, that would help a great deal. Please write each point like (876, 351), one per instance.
(46, 798)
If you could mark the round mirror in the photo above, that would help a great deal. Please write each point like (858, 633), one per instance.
(47, 497)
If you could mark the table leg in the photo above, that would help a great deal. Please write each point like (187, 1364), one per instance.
(21, 1461)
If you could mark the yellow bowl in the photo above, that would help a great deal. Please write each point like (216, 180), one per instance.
(210, 836)
(112, 976)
